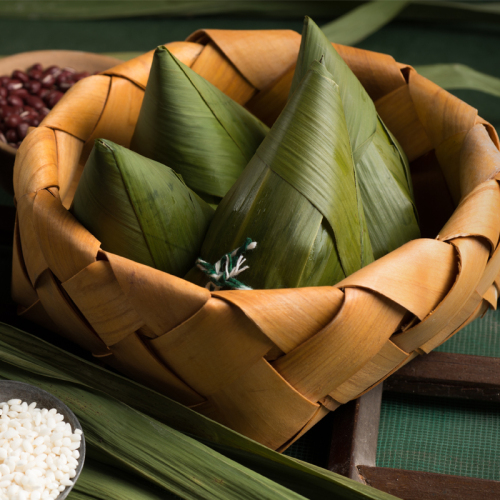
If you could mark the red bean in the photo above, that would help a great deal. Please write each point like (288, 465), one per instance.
(35, 74)
(43, 93)
(65, 86)
(15, 100)
(20, 75)
(14, 84)
(26, 115)
(35, 102)
(64, 76)
(37, 66)
(33, 86)
(22, 93)
(22, 130)
(54, 99)
(11, 135)
(12, 121)
(26, 97)
(34, 122)
(48, 80)
(6, 111)
(52, 70)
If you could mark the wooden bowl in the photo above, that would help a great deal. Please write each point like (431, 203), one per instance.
(267, 363)
(81, 61)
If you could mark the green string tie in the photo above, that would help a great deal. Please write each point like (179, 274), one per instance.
(222, 273)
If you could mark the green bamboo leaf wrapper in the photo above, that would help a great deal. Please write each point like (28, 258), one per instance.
(103, 400)
(194, 128)
(140, 209)
(297, 197)
(382, 170)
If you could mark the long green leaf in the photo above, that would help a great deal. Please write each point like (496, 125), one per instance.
(101, 481)
(140, 209)
(109, 9)
(363, 21)
(381, 166)
(157, 453)
(194, 128)
(460, 76)
(42, 361)
(297, 197)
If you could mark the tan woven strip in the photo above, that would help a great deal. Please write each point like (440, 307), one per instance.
(269, 102)
(479, 159)
(441, 114)
(137, 70)
(387, 360)
(30, 247)
(398, 112)
(477, 215)
(417, 275)
(99, 297)
(88, 96)
(473, 255)
(261, 405)
(65, 316)
(36, 168)
(22, 290)
(491, 296)
(163, 301)
(212, 348)
(69, 151)
(212, 65)
(358, 332)
(470, 311)
(303, 312)
(133, 358)
(66, 245)
(277, 51)
(378, 73)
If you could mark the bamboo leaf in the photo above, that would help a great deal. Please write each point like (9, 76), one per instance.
(140, 209)
(363, 21)
(104, 482)
(110, 9)
(90, 390)
(297, 196)
(460, 76)
(381, 166)
(194, 128)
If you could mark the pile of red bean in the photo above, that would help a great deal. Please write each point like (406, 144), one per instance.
(27, 96)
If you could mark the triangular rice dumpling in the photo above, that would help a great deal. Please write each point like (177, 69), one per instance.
(382, 170)
(194, 128)
(297, 197)
(140, 209)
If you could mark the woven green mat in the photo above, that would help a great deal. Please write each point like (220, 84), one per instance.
(441, 435)
(448, 436)
(480, 338)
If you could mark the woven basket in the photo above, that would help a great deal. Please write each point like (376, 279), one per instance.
(267, 363)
